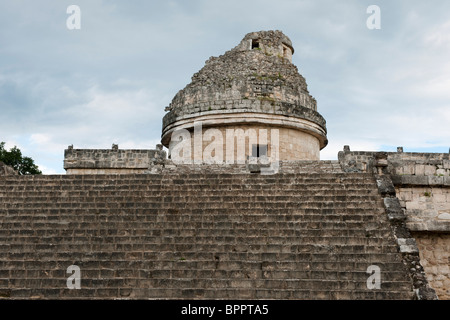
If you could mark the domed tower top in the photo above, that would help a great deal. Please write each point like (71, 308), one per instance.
(253, 83)
(270, 42)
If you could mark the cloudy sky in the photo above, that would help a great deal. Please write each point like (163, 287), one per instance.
(109, 81)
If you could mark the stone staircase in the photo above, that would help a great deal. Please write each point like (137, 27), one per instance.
(198, 235)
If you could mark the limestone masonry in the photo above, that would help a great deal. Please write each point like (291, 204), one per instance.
(6, 170)
(114, 160)
(422, 189)
(280, 224)
(255, 84)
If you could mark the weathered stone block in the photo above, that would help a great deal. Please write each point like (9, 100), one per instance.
(443, 226)
(415, 205)
(414, 180)
(439, 198)
(405, 195)
(419, 170)
(396, 180)
(447, 181)
(435, 180)
(407, 245)
(394, 209)
(408, 169)
(446, 164)
(385, 185)
(430, 170)
(416, 226)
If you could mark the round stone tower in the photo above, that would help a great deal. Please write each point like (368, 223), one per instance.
(253, 88)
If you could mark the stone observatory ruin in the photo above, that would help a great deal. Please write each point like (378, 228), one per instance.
(254, 96)
(140, 224)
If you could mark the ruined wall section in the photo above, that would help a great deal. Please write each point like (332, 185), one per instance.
(427, 206)
(421, 187)
(6, 170)
(434, 250)
(111, 161)
(422, 183)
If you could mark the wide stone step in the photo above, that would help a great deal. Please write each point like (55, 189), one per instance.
(196, 174)
(126, 248)
(121, 195)
(192, 229)
(215, 252)
(185, 208)
(330, 259)
(186, 184)
(200, 274)
(313, 221)
(187, 221)
(170, 204)
(328, 263)
(194, 221)
(156, 293)
(354, 185)
(262, 191)
(333, 184)
(312, 228)
(301, 227)
(201, 283)
(214, 188)
(190, 176)
(298, 191)
(207, 238)
(167, 203)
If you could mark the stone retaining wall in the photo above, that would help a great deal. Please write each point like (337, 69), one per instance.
(434, 250)
(427, 207)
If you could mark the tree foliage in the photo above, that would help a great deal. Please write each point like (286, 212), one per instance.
(14, 158)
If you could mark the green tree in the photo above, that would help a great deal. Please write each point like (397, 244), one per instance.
(14, 158)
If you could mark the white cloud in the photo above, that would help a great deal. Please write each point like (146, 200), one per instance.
(45, 142)
(437, 87)
(439, 36)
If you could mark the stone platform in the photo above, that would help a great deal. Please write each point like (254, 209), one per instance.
(311, 233)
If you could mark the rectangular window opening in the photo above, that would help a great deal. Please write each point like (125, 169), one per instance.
(259, 150)
(255, 43)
